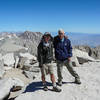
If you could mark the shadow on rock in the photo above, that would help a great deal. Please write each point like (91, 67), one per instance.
(35, 86)
(68, 82)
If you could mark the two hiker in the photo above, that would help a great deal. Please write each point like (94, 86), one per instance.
(63, 54)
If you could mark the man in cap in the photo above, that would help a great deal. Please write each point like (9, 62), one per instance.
(45, 57)
(63, 54)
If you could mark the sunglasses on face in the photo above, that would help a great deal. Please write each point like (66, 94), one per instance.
(60, 33)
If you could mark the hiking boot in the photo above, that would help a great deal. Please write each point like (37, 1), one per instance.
(56, 89)
(77, 81)
(45, 88)
(59, 83)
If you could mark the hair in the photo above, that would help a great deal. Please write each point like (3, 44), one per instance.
(47, 34)
(60, 31)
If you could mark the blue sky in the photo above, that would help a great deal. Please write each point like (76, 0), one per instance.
(50, 15)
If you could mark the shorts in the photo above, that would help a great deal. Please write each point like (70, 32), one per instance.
(47, 69)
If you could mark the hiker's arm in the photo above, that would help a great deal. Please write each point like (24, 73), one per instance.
(40, 56)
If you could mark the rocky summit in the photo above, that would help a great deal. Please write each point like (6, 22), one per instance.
(20, 77)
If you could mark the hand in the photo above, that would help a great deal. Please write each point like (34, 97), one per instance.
(69, 59)
(40, 65)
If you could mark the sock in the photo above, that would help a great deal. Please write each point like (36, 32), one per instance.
(44, 84)
(54, 84)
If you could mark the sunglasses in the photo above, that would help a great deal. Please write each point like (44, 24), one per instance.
(60, 33)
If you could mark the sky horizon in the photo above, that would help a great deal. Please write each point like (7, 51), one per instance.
(81, 16)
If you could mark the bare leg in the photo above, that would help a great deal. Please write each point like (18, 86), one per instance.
(52, 78)
(43, 79)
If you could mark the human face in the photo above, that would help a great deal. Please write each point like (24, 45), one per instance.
(61, 35)
(46, 38)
